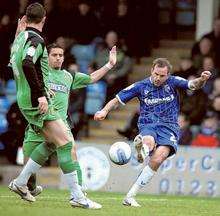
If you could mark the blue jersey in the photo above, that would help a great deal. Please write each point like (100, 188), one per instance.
(157, 104)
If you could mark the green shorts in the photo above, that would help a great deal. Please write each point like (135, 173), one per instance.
(36, 119)
(33, 139)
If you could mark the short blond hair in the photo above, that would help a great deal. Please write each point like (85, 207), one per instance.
(162, 62)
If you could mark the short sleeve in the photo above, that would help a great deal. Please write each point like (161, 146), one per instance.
(180, 82)
(80, 80)
(33, 49)
(128, 93)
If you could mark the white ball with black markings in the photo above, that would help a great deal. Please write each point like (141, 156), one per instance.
(120, 153)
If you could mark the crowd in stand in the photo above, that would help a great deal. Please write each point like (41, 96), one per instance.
(200, 110)
(87, 29)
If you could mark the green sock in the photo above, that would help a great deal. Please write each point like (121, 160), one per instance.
(79, 172)
(32, 182)
(65, 159)
(42, 152)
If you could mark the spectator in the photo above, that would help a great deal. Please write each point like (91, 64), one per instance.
(185, 132)
(86, 25)
(186, 68)
(116, 78)
(214, 37)
(53, 19)
(216, 89)
(215, 106)
(205, 49)
(120, 24)
(193, 104)
(6, 37)
(208, 134)
(16, 128)
(209, 65)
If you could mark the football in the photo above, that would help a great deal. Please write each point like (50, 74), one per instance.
(120, 153)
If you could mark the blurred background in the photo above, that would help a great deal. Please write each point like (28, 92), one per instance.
(187, 32)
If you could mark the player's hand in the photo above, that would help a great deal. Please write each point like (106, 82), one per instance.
(22, 24)
(43, 104)
(100, 115)
(113, 56)
(205, 75)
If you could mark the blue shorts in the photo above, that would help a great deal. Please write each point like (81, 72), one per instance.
(164, 134)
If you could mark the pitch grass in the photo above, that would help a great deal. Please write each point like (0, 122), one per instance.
(55, 203)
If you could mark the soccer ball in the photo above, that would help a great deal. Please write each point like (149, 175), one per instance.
(120, 153)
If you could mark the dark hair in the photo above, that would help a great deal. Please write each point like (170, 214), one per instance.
(53, 46)
(35, 13)
(162, 62)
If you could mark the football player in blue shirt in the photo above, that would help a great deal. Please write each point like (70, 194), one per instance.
(159, 110)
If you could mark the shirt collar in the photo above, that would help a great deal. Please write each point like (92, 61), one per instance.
(34, 30)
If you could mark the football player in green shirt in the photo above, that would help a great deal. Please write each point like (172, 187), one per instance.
(29, 61)
(61, 82)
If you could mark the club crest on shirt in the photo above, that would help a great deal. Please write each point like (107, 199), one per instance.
(146, 92)
(167, 88)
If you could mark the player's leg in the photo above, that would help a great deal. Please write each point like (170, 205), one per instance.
(77, 165)
(159, 155)
(31, 141)
(144, 145)
(145, 140)
(57, 132)
(35, 140)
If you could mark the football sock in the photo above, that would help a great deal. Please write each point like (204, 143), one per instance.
(70, 174)
(79, 172)
(30, 168)
(144, 178)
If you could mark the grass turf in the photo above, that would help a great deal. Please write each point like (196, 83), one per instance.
(55, 203)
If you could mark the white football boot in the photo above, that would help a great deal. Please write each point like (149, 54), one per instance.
(38, 190)
(130, 201)
(142, 151)
(85, 203)
(22, 191)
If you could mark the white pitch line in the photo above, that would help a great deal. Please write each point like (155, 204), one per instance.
(97, 198)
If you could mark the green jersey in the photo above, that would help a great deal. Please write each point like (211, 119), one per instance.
(29, 61)
(62, 82)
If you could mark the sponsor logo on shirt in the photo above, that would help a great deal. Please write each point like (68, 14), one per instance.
(155, 101)
(58, 88)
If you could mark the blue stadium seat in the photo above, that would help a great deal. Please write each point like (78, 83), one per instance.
(84, 55)
(3, 123)
(95, 97)
(10, 91)
(4, 105)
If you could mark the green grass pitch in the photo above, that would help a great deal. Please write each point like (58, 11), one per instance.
(55, 203)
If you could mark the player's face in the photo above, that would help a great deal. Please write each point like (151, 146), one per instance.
(159, 75)
(56, 58)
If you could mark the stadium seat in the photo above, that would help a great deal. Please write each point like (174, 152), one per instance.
(3, 123)
(84, 55)
(10, 91)
(4, 105)
(95, 97)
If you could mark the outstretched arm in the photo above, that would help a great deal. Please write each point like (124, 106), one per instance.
(199, 82)
(21, 25)
(98, 74)
(112, 104)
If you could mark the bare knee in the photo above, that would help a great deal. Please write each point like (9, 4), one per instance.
(56, 132)
(157, 159)
(149, 141)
